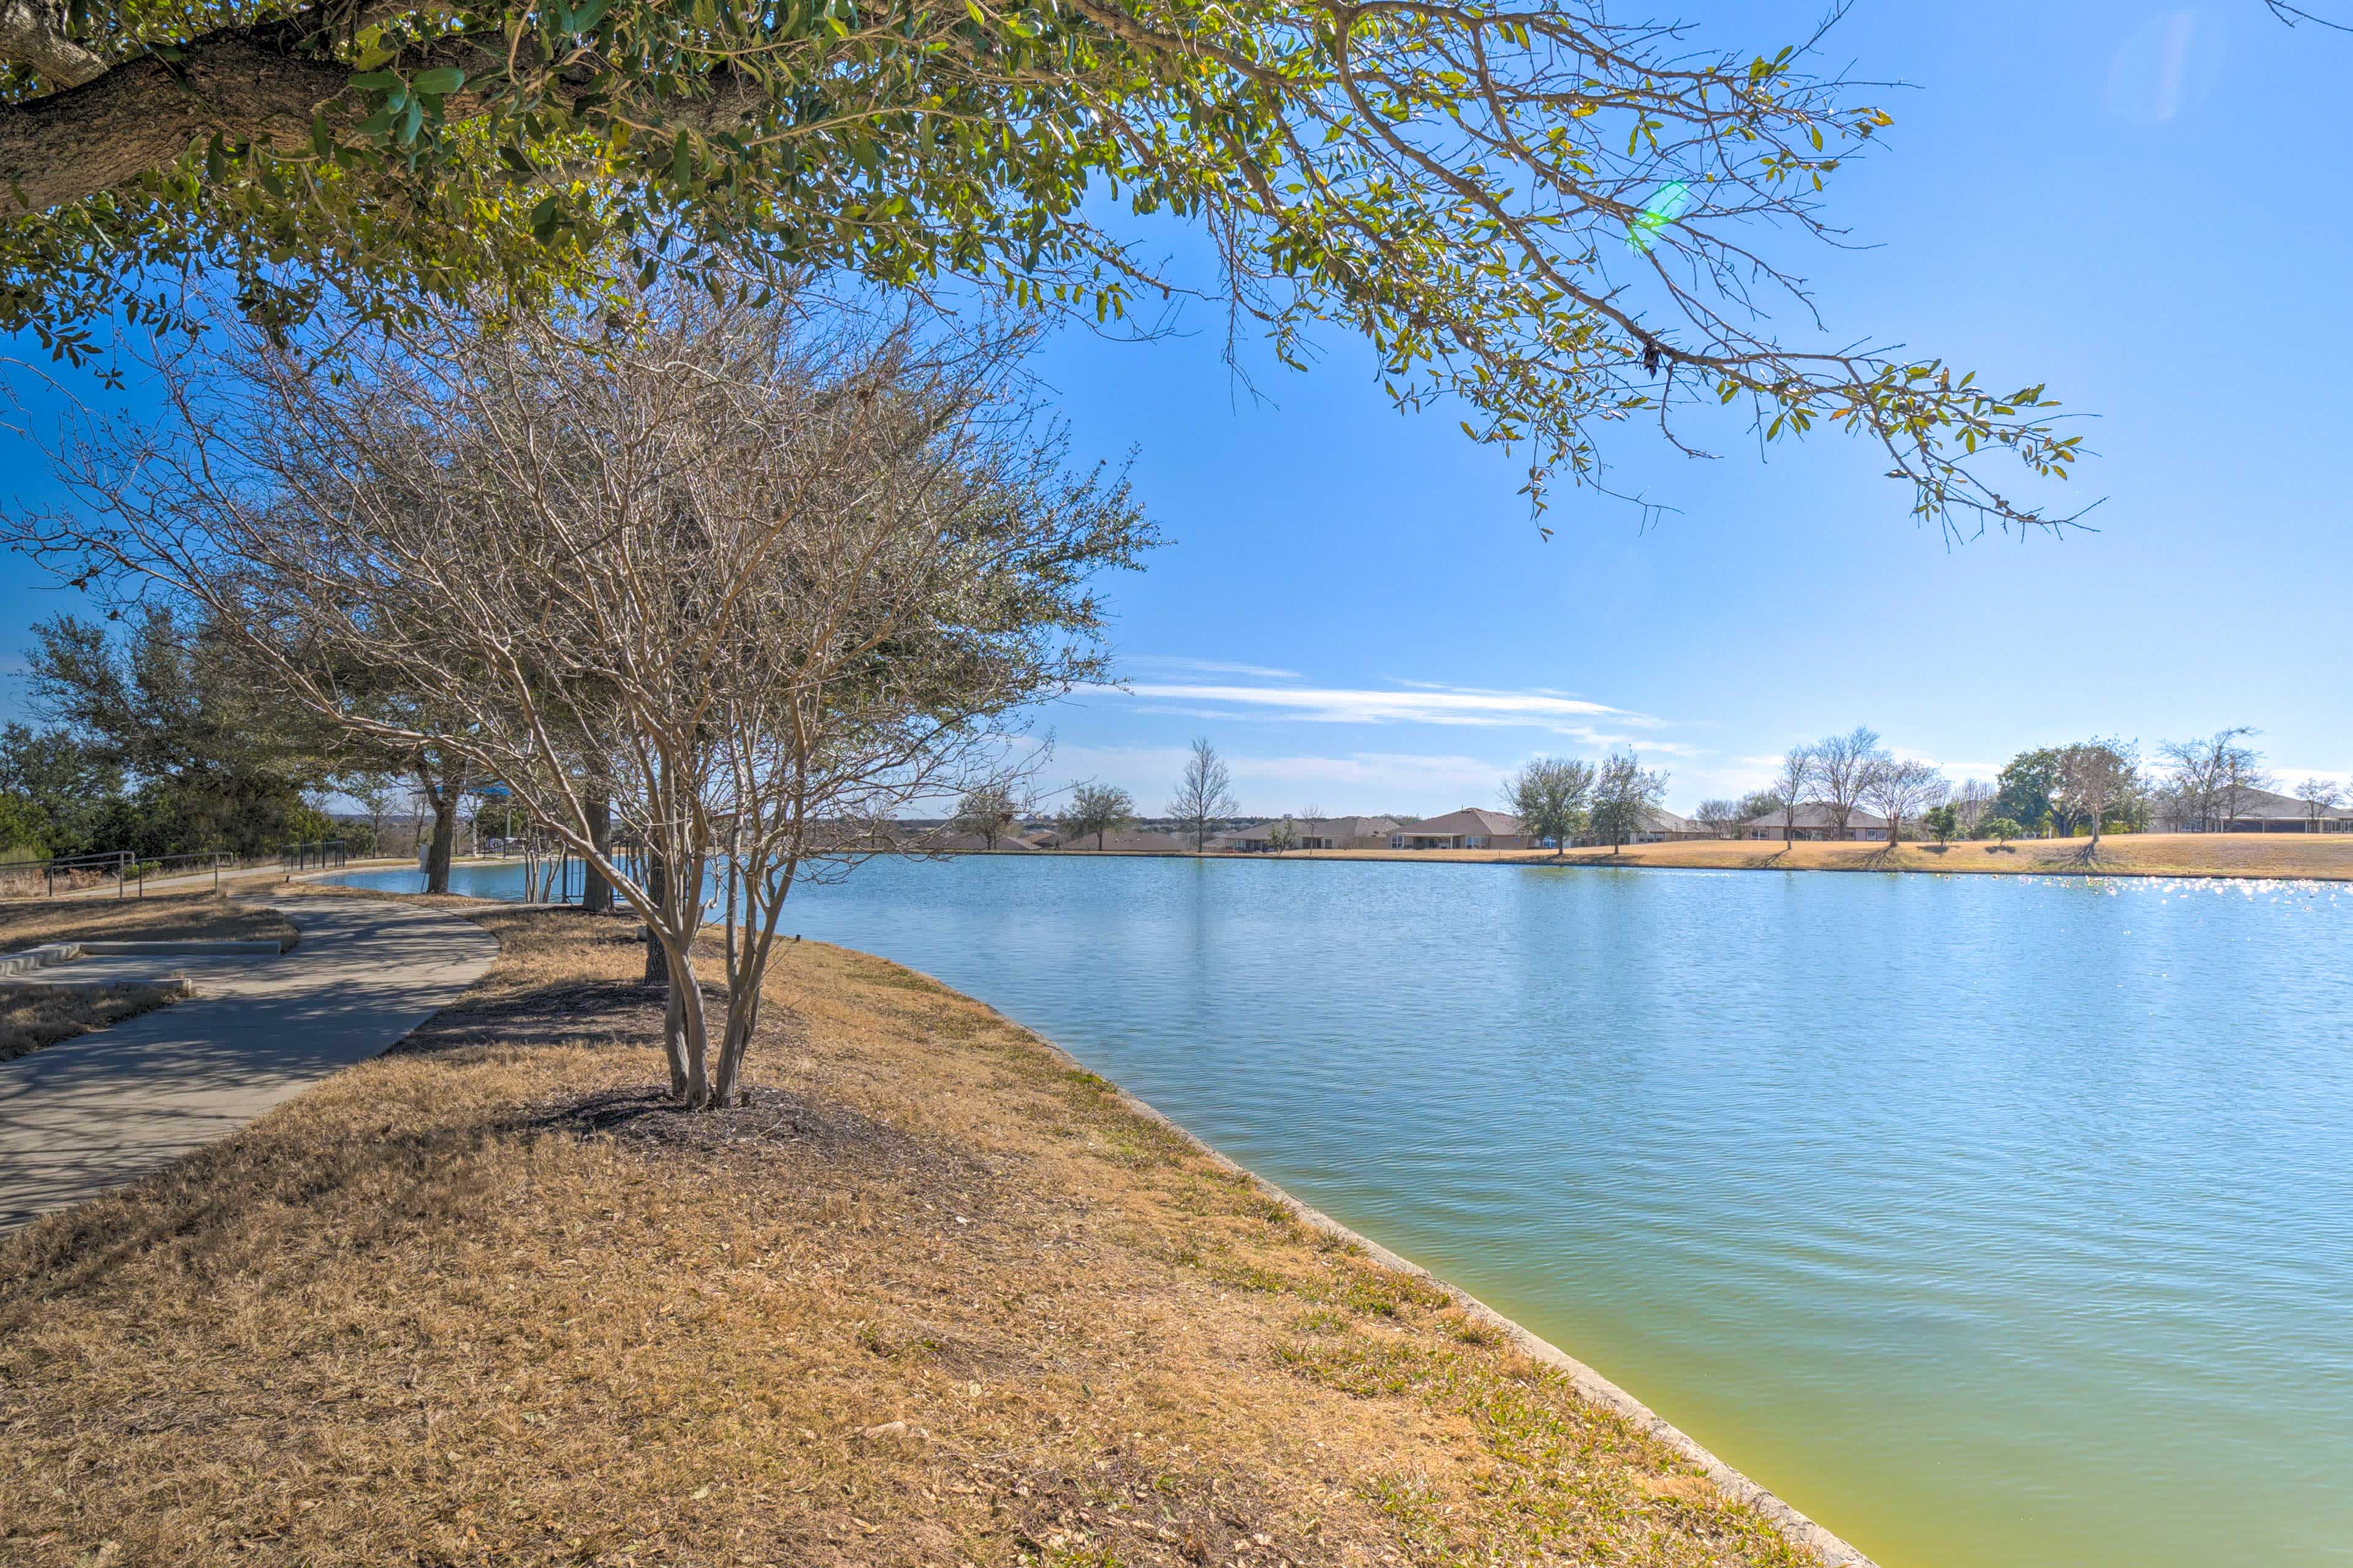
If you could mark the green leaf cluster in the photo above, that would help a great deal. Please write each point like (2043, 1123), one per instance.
(1451, 182)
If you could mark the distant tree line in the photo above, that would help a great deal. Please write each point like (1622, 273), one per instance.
(155, 740)
(2086, 788)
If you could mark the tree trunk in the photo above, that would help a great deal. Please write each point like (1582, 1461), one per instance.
(690, 1060)
(673, 1033)
(656, 958)
(596, 893)
(743, 1019)
(445, 838)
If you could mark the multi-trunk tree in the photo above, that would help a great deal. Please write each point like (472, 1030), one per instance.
(1900, 790)
(2098, 779)
(757, 578)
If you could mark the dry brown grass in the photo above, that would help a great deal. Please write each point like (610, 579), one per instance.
(158, 917)
(2326, 857)
(932, 1298)
(33, 1015)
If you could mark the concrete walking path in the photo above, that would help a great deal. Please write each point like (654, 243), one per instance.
(102, 1108)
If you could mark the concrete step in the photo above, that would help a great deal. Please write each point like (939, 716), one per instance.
(34, 958)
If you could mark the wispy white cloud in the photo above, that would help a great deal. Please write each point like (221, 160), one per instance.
(1419, 703)
(1171, 662)
(2164, 63)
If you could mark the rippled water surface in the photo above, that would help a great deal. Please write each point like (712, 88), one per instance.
(1990, 1220)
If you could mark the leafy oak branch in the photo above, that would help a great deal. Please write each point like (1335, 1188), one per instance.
(1463, 184)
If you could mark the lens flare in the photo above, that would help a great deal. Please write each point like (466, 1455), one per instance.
(1668, 203)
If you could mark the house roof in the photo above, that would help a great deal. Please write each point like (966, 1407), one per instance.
(1816, 814)
(1310, 827)
(1658, 819)
(1469, 819)
(1135, 843)
(1004, 840)
(2270, 804)
(1345, 826)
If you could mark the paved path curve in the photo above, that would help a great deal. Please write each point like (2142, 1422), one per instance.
(102, 1108)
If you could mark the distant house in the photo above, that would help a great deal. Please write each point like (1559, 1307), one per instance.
(1135, 841)
(2257, 811)
(1663, 826)
(1312, 833)
(965, 843)
(1812, 820)
(1471, 828)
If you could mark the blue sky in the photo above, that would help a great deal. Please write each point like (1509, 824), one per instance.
(2140, 204)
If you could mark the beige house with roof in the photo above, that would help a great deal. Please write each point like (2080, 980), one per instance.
(2253, 811)
(1812, 821)
(1472, 827)
(1311, 833)
(1661, 826)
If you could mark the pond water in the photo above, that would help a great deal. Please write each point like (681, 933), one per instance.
(1989, 1220)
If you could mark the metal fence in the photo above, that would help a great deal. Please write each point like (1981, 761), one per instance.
(127, 873)
(317, 856)
(119, 868)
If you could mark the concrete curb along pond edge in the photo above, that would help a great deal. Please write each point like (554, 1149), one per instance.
(1792, 1524)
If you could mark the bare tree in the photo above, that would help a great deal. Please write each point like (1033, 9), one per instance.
(1099, 809)
(1898, 790)
(2209, 780)
(1799, 769)
(2320, 796)
(2241, 776)
(767, 574)
(1718, 816)
(1625, 793)
(2093, 777)
(1970, 803)
(986, 813)
(1845, 766)
(1549, 795)
(1204, 794)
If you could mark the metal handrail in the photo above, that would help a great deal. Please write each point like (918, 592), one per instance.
(124, 866)
(327, 851)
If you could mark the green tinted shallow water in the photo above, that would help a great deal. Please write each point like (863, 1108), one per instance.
(1988, 1220)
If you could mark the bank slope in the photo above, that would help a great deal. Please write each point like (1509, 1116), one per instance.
(932, 1296)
